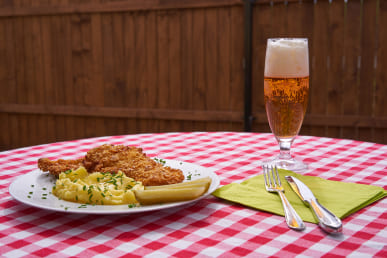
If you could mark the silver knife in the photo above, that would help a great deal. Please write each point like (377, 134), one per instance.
(327, 220)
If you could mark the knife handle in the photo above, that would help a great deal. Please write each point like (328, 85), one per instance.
(291, 216)
(327, 220)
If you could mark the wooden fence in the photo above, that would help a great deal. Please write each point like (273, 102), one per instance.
(82, 68)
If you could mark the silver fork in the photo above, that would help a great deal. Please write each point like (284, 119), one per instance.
(273, 184)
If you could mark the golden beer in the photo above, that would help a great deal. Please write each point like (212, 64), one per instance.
(286, 100)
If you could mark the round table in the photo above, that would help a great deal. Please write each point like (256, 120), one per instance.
(207, 228)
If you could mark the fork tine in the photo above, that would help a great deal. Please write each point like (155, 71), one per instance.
(269, 177)
(278, 178)
(273, 175)
(264, 167)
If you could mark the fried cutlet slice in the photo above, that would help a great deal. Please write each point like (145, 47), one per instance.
(133, 162)
(58, 166)
(113, 158)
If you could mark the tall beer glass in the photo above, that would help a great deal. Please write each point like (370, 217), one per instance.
(286, 87)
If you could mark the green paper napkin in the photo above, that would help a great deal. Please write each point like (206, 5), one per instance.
(340, 198)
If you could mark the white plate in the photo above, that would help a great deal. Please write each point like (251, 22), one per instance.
(34, 188)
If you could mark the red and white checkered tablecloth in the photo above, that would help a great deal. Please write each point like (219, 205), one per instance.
(210, 227)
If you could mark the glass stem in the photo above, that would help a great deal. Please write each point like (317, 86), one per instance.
(285, 146)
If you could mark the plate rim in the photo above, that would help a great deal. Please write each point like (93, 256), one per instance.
(93, 209)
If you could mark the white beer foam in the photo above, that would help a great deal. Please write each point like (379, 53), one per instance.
(287, 58)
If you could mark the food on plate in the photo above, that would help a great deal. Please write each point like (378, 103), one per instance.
(206, 181)
(118, 174)
(114, 189)
(173, 193)
(59, 166)
(113, 158)
(96, 188)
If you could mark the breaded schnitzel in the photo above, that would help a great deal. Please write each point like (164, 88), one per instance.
(59, 166)
(113, 158)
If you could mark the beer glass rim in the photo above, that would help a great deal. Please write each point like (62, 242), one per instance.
(279, 38)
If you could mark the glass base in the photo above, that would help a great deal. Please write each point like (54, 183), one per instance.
(292, 164)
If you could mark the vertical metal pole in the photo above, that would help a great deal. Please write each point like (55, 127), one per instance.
(248, 119)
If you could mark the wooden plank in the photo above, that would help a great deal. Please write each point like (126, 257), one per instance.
(163, 114)
(262, 29)
(163, 64)
(187, 55)
(381, 77)
(151, 67)
(335, 64)
(199, 86)
(279, 23)
(300, 20)
(17, 135)
(38, 124)
(175, 91)
(3, 61)
(5, 79)
(29, 62)
(49, 96)
(141, 75)
(185, 115)
(10, 66)
(76, 124)
(118, 73)
(113, 96)
(352, 41)
(367, 67)
(223, 49)
(8, 79)
(211, 63)
(69, 82)
(95, 87)
(236, 102)
(318, 93)
(60, 37)
(20, 87)
(130, 66)
(78, 49)
(108, 7)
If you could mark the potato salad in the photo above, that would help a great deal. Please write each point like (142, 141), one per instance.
(96, 188)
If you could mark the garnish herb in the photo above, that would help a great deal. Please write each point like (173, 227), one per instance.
(160, 161)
